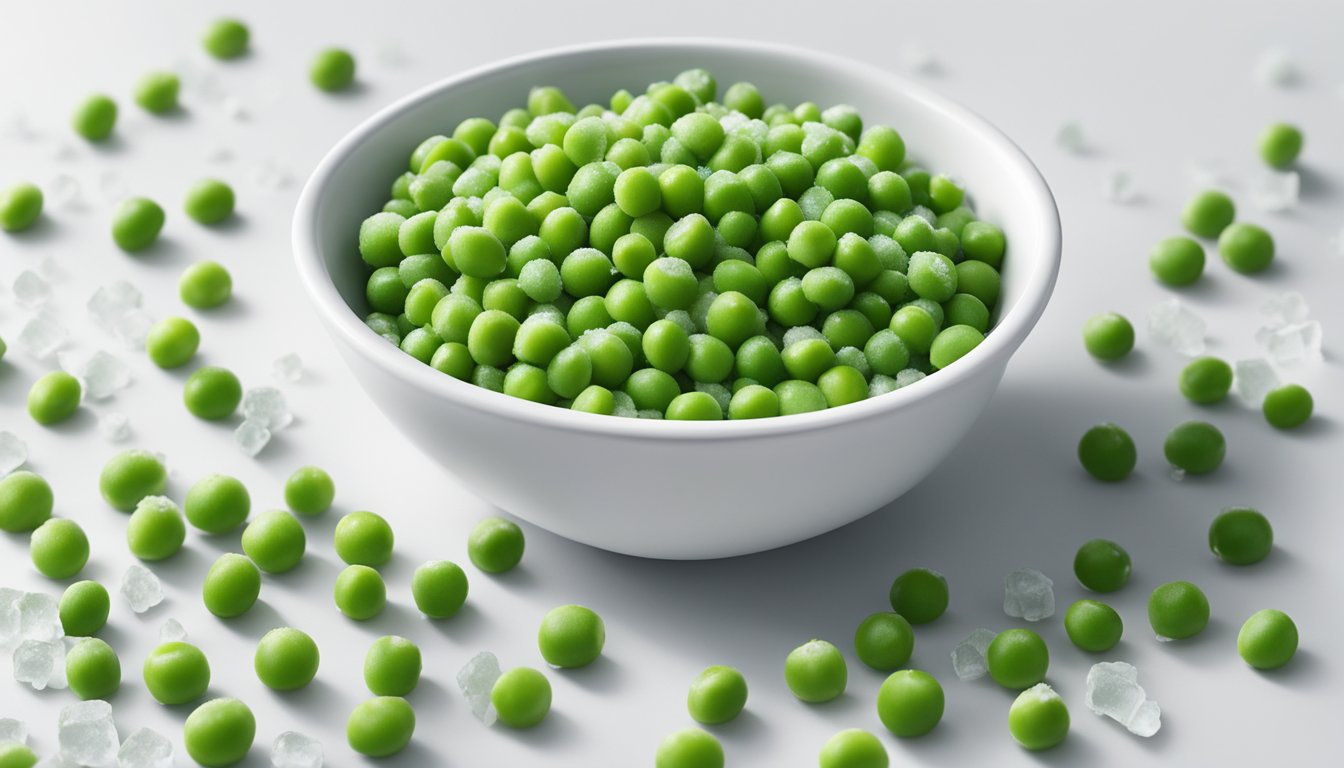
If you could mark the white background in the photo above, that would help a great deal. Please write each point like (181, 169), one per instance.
(1155, 87)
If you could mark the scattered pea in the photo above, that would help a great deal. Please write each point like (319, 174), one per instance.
(1241, 536)
(1246, 247)
(286, 659)
(92, 669)
(364, 538)
(1093, 625)
(1017, 658)
(172, 342)
(176, 673)
(136, 224)
(439, 588)
(95, 117)
(1288, 406)
(157, 92)
(1268, 639)
(205, 285)
(1209, 213)
(20, 205)
(231, 586)
(54, 397)
(209, 201)
(381, 726)
(1108, 336)
(59, 548)
(717, 695)
(16, 755)
(309, 491)
(522, 697)
(1107, 452)
(1196, 447)
(815, 672)
(1177, 261)
(910, 703)
(155, 530)
(571, 636)
(1178, 610)
(392, 666)
(219, 733)
(1206, 380)
(26, 501)
(495, 545)
(332, 69)
(275, 541)
(884, 641)
(853, 748)
(217, 504)
(226, 38)
(1280, 145)
(689, 748)
(360, 593)
(212, 393)
(1102, 565)
(920, 595)
(1038, 718)
(84, 608)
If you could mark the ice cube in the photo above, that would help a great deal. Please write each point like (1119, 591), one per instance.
(1119, 187)
(43, 336)
(64, 151)
(625, 406)
(719, 392)
(1113, 690)
(477, 680)
(145, 749)
(270, 175)
(1295, 344)
(391, 54)
(234, 108)
(880, 385)
(13, 731)
(1285, 309)
(31, 290)
(251, 437)
(1275, 191)
(920, 60)
(55, 760)
(172, 630)
(110, 302)
(1274, 68)
(1071, 139)
(51, 269)
(36, 662)
(968, 658)
(801, 333)
(908, 376)
(104, 376)
(132, 328)
(13, 453)
(1205, 173)
(266, 406)
(1176, 474)
(1028, 594)
(288, 368)
(39, 617)
(87, 734)
(112, 187)
(9, 616)
(1173, 324)
(65, 191)
(141, 588)
(114, 426)
(219, 154)
(20, 128)
(294, 750)
(1253, 379)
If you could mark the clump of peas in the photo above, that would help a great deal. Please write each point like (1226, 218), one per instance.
(674, 255)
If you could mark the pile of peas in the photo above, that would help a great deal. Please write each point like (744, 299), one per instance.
(671, 255)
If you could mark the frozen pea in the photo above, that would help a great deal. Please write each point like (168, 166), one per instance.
(16, 755)
(176, 673)
(84, 608)
(20, 205)
(1247, 248)
(309, 491)
(286, 659)
(212, 393)
(816, 672)
(1287, 407)
(26, 501)
(1206, 380)
(1102, 565)
(130, 476)
(717, 695)
(1209, 213)
(521, 697)
(392, 666)
(1196, 447)
(136, 224)
(209, 201)
(381, 726)
(853, 748)
(59, 548)
(217, 504)
(54, 397)
(1268, 639)
(910, 703)
(1038, 718)
(1177, 261)
(920, 595)
(1178, 610)
(1107, 452)
(231, 586)
(1108, 336)
(1017, 658)
(884, 641)
(953, 343)
(155, 530)
(364, 538)
(172, 342)
(359, 592)
(439, 588)
(92, 669)
(1241, 536)
(495, 545)
(205, 285)
(226, 38)
(275, 541)
(95, 117)
(1093, 625)
(219, 733)
(156, 92)
(333, 69)
(571, 636)
(1280, 145)
(689, 748)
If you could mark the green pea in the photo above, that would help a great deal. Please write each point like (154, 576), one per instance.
(1108, 336)
(155, 530)
(59, 548)
(176, 673)
(212, 393)
(309, 491)
(910, 703)
(1102, 565)
(916, 327)
(20, 205)
(1178, 610)
(920, 595)
(275, 541)
(815, 672)
(1017, 658)
(217, 504)
(54, 397)
(1241, 536)
(364, 538)
(884, 641)
(333, 69)
(439, 588)
(381, 726)
(1093, 625)
(209, 201)
(392, 666)
(16, 755)
(1107, 452)
(226, 38)
(84, 608)
(754, 401)
(172, 342)
(95, 117)
(571, 636)
(156, 92)
(231, 586)
(853, 748)
(26, 501)
(1209, 213)
(953, 343)
(694, 406)
(1206, 380)
(1280, 145)
(1196, 447)
(219, 732)
(359, 592)
(92, 669)
(130, 476)
(1038, 718)
(1177, 261)
(286, 659)
(205, 285)
(689, 748)
(521, 697)
(1288, 407)
(717, 695)
(1268, 639)
(1246, 248)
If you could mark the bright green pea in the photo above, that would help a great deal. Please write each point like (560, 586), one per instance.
(1288, 406)
(1102, 565)
(129, 477)
(571, 636)
(209, 201)
(1241, 536)
(1268, 639)
(16, 755)
(380, 239)
(1245, 247)
(915, 327)
(853, 748)
(205, 285)
(381, 726)
(1093, 625)
(841, 385)
(20, 205)
(1017, 658)
(733, 318)
(95, 117)
(689, 748)
(26, 501)
(1196, 447)
(286, 659)
(59, 548)
(54, 397)
(226, 38)
(231, 586)
(754, 401)
(495, 545)
(521, 697)
(910, 703)
(360, 592)
(1177, 261)
(694, 406)
(1038, 718)
(717, 695)
(333, 69)
(176, 673)
(670, 283)
(539, 340)
(439, 588)
(392, 666)
(172, 342)
(84, 608)
(1107, 452)
(1178, 610)
(275, 541)
(1280, 145)
(155, 530)
(92, 669)
(219, 732)
(309, 491)
(595, 399)
(611, 357)
(217, 504)
(364, 538)
(815, 672)
(1209, 213)
(1108, 336)
(212, 393)
(953, 343)
(812, 244)
(157, 92)
(979, 280)
(920, 595)
(884, 641)
(1206, 380)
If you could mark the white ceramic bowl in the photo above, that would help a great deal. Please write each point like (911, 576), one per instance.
(681, 490)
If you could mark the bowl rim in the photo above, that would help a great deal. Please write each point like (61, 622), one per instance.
(1007, 335)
